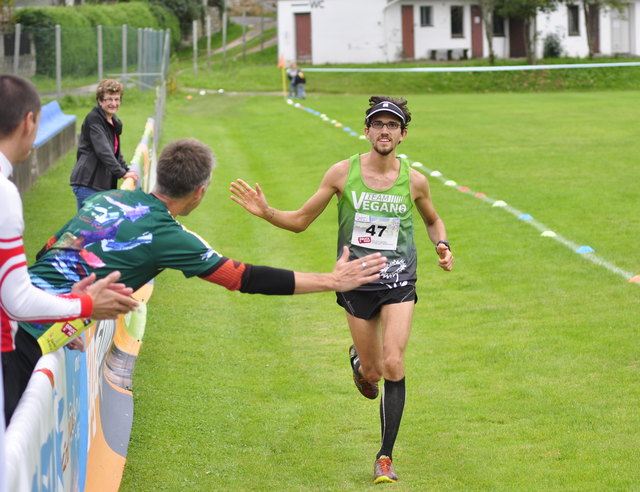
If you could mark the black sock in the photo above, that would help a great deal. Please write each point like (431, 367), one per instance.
(391, 409)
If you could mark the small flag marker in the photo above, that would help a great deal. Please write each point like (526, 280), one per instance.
(548, 234)
(635, 280)
(450, 183)
(499, 203)
(525, 217)
(464, 188)
(480, 195)
(436, 174)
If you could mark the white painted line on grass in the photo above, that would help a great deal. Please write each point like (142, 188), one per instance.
(584, 250)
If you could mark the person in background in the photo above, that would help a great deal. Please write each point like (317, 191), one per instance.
(99, 161)
(291, 75)
(20, 300)
(300, 80)
(377, 194)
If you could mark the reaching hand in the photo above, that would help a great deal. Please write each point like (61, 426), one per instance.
(109, 298)
(352, 274)
(76, 344)
(131, 174)
(252, 200)
(446, 257)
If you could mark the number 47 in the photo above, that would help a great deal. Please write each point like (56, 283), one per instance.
(372, 230)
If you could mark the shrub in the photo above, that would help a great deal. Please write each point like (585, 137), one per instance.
(552, 46)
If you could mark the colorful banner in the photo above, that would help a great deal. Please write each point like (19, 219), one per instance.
(71, 429)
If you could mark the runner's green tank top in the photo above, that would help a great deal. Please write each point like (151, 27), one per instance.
(379, 220)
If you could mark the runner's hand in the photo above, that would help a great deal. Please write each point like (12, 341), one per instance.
(253, 200)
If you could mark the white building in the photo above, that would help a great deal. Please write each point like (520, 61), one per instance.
(369, 31)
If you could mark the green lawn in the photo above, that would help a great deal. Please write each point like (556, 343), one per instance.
(523, 366)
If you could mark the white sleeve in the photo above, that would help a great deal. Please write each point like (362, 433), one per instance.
(19, 298)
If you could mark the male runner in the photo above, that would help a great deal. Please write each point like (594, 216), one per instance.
(376, 193)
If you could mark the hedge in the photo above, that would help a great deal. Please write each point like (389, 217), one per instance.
(79, 34)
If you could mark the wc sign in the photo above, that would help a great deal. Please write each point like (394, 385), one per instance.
(317, 4)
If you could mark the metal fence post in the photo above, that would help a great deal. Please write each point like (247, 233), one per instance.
(16, 49)
(224, 36)
(140, 58)
(208, 41)
(244, 32)
(195, 47)
(58, 61)
(164, 63)
(124, 54)
(100, 57)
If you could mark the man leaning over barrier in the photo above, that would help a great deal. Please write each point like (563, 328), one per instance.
(19, 299)
(137, 233)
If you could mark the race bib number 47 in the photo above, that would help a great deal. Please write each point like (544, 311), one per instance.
(375, 232)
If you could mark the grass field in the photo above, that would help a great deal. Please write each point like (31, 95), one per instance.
(523, 366)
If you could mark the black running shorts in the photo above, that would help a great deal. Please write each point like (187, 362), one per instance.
(366, 304)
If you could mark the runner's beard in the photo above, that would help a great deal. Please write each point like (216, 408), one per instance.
(383, 151)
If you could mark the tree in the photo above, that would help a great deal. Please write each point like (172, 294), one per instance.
(488, 8)
(6, 11)
(592, 8)
(527, 10)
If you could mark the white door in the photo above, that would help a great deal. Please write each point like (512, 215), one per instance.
(620, 31)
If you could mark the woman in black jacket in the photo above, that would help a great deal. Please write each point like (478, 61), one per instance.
(99, 162)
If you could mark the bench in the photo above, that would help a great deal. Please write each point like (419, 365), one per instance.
(56, 137)
(449, 54)
(52, 122)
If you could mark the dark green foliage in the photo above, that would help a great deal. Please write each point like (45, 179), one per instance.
(185, 10)
(552, 47)
(168, 20)
(79, 35)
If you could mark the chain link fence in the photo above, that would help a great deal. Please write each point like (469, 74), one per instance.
(69, 58)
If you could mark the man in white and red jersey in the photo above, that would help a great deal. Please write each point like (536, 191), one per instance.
(19, 299)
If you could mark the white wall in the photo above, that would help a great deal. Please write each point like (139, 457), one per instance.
(344, 31)
(341, 31)
(438, 36)
(557, 22)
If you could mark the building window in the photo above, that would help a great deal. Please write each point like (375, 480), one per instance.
(457, 18)
(498, 26)
(425, 16)
(574, 20)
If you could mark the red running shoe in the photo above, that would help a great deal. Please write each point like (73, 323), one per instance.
(368, 390)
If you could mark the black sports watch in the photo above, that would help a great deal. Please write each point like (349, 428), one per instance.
(446, 243)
